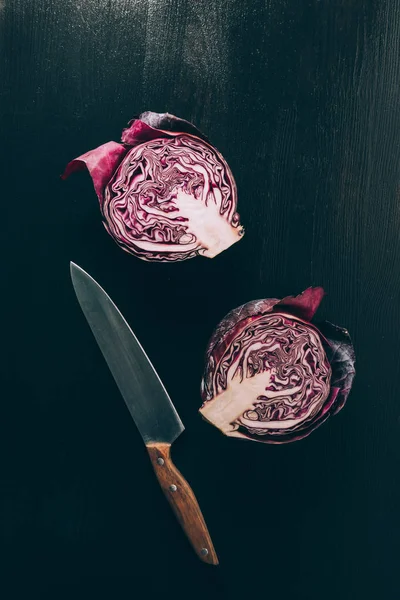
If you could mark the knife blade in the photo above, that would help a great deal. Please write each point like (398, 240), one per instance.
(147, 401)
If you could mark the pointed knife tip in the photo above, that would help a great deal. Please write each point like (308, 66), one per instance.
(74, 268)
(76, 273)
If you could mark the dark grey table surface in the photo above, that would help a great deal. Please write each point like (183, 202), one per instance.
(302, 98)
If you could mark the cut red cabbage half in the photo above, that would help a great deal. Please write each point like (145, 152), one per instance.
(271, 375)
(166, 194)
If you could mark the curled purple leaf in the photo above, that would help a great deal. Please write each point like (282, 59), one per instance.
(101, 164)
(304, 305)
(149, 125)
(340, 352)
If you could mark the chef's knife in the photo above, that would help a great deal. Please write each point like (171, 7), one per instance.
(148, 402)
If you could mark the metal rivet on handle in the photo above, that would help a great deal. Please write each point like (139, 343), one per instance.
(204, 551)
(173, 488)
(160, 461)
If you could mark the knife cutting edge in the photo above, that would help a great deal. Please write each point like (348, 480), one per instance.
(148, 402)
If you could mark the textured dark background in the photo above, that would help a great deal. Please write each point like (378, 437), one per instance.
(302, 98)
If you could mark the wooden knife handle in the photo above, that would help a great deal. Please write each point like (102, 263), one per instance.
(183, 502)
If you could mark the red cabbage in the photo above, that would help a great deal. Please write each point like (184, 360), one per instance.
(271, 375)
(166, 194)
